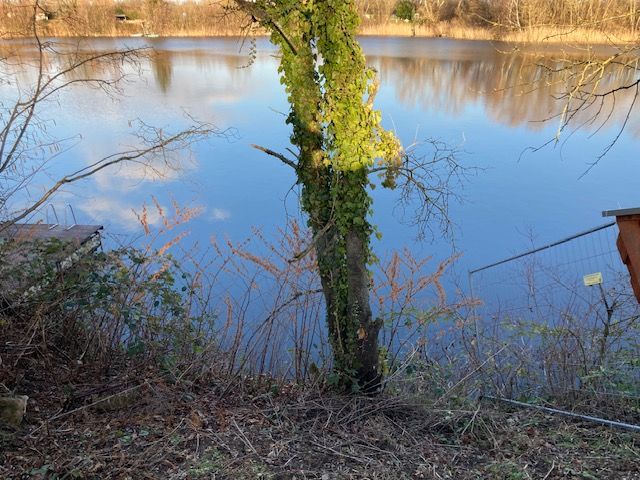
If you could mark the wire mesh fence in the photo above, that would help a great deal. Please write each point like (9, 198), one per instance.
(543, 329)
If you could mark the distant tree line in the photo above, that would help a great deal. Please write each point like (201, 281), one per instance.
(99, 17)
(519, 14)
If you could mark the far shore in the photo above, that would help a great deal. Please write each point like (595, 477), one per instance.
(539, 35)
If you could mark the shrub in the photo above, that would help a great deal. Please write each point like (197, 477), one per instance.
(405, 10)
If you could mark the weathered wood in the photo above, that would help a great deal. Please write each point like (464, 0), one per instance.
(31, 255)
(22, 232)
(628, 243)
(629, 247)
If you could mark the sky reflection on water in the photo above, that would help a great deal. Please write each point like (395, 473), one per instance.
(475, 96)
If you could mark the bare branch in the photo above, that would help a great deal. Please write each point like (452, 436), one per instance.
(277, 155)
(161, 147)
(25, 145)
(427, 184)
(312, 244)
(258, 14)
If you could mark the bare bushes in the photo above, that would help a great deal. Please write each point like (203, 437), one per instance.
(541, 335)
(254, 311)
(597, 21)
(250, 308)
(288, 336)
(536, 332)
(104, 18)
(588, 342)
(592, 21)
(125, 303)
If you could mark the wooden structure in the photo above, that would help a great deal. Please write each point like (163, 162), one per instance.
(43, 16)
(628, 242)
(33, 255)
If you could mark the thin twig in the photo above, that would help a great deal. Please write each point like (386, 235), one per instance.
(75, 410)
(244, 438)
(277, 155)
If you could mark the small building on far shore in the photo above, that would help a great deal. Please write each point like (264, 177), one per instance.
(43, 16)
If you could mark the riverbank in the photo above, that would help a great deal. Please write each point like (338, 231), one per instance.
(139, 423)
(541, 35)
(119, 378)
(533, 21)
(533, 35)
(171, 404)
(192, 20)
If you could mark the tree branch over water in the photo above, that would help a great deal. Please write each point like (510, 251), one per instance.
(592, 86)
(277, 155)
(26, 146)
(160, 147)
(427, 183)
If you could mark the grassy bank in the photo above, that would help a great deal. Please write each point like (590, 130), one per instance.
(544, 34)
(594, 21)
(252, 431)
(135, 368)
(548, 35)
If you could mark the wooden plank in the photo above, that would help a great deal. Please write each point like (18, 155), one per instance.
(621, 212)
(30, 253)
(629, 247)
(39, 231)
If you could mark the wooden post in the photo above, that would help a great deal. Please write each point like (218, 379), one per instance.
(628, 242)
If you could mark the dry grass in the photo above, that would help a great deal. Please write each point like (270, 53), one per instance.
(132, 418)
(190, 432)
(563, 35)
(217, 413)
(614, 24)
(551, 35)
(393, 28)
(547, 35)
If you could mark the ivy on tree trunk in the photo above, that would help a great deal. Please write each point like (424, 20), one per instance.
(340, 139)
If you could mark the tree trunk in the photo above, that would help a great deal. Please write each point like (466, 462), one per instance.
(340, 138)
(342, 263)
(352, 331)
(359, 309)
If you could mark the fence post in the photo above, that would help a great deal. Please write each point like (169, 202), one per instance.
(473, 312)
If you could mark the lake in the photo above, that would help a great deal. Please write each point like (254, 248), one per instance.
(487, 100)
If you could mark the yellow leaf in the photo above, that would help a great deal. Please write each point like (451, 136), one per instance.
(362, 334)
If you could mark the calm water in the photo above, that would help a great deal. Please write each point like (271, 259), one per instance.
(476, 96)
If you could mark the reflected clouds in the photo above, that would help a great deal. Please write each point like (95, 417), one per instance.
(219, 215)
(517, 86)
(122, 213)
(131, 175)
(490, 93)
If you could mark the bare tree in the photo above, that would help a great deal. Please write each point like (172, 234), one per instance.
(340, 143)
(27, 149)
(595, 88)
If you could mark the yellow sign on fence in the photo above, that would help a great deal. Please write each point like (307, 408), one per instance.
(592, 279)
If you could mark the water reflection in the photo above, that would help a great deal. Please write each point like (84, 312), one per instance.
(491, 93)
(162, 69)
(515, 87)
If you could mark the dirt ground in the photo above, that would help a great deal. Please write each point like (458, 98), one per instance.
(141, 426)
